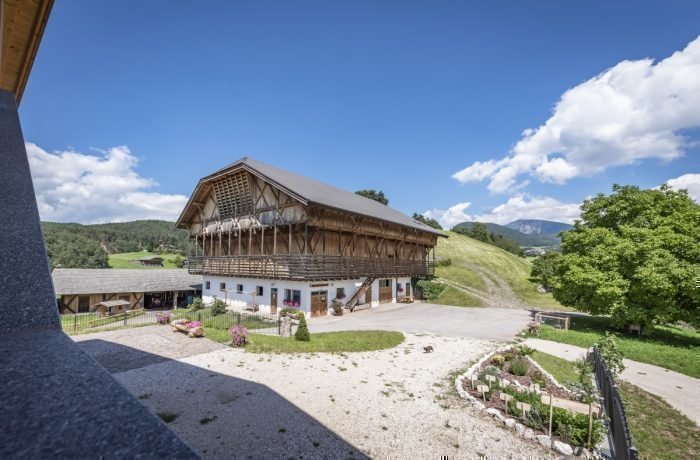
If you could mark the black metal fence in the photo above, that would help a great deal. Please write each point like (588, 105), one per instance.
(619, 433)
(257, 323)
(93, 322)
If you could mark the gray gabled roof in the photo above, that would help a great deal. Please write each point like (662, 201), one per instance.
(70, 281)
(313, 191)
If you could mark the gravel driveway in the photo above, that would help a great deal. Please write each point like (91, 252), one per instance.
(492, 324)
(227, 403)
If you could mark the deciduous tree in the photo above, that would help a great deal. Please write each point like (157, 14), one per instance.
(635, 255)
(374, 195)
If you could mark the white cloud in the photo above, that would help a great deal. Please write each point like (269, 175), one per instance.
(691, 182)
(450, 217)
(522, 206)
(633, 111)
(76, 187)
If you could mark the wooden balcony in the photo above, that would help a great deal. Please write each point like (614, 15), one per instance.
(308, 267)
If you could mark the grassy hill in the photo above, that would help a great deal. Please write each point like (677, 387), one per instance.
(130, 260)
(482, 274)
(523, 239)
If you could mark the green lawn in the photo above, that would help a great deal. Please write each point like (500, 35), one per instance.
(224, 321)
(465, 252)
(561, 369)
(130, 259)
(326, 342)
(658, 430)
(455, 297)
(672, 348)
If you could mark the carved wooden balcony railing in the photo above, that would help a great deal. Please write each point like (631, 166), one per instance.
(308, 267)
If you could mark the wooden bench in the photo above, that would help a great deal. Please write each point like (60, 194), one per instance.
(563, 321)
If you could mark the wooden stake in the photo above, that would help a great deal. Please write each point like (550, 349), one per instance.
(590, 422)
(551, 410)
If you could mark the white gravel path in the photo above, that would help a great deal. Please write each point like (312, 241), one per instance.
(680, 391)
(383, 404)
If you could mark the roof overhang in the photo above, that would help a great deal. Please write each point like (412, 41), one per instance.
(22, 24)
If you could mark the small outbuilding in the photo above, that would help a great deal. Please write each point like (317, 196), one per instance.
(151, 261)
(106, 307)
(84, 290)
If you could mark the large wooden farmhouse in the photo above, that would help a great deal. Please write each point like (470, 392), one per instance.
(275, 239)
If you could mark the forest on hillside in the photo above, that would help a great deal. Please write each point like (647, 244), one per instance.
(88, 246)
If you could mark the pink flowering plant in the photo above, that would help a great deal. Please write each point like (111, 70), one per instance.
(193, 324)
(239, 335)
(163, 318)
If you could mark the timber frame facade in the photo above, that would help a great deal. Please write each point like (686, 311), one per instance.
(253, 220)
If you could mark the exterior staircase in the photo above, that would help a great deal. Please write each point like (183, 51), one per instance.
(352, 302)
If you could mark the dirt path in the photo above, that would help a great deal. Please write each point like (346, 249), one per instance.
(498, 293)
(680, 391)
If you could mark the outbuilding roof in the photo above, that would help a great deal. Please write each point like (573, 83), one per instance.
(312, 191)
(70, 281)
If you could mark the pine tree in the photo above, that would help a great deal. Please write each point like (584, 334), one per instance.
(302, 332)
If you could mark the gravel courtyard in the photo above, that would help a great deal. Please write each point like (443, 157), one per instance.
(395, 403)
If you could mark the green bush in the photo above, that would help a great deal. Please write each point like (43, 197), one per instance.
(443, 262)
(519, 366)
(302, 333)
(573, 428)
(431, 290)
(218, 307)
(197, 304)
(524, 350)
(292, 312)
(611, 354)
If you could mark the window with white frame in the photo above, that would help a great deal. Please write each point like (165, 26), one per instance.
(239, 288)
(207, 285)
(259, 290)
(222, 286)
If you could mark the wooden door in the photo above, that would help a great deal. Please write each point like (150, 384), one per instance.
(273, 300)
(368, 295)
(319, 303)
(83, 304)
(385, 290)
(323, 303)
(408, 289)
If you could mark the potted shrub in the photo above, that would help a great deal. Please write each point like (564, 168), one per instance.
(337, 306)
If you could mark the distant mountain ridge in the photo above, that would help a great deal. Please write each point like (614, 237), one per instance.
(539, 226)
(535, 232)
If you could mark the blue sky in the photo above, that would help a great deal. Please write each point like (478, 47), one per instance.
(130, 103)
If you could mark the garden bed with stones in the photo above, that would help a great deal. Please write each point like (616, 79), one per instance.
(509, 386)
